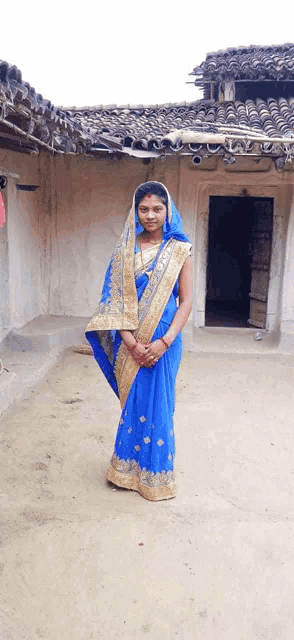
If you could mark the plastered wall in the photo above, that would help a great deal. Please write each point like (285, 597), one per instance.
(90, 202)
(4, 279)
(58, 240)
(20, 248)
(287, 292)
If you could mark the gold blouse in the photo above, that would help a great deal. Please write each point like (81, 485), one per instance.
(144, 258)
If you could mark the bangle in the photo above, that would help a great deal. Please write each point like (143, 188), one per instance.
(131, 349)
(165, 343)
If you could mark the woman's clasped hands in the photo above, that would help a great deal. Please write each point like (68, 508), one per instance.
(147, 355)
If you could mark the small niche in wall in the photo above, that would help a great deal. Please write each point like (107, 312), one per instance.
(27, 187)
(201, 163)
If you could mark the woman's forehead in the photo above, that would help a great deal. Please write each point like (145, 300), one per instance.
(151, 199)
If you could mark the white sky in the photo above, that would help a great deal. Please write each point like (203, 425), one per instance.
(88, 53)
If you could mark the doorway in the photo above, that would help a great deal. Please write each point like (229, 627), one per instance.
(238, 265)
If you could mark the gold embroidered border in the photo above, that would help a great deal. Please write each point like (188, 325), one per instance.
(108, 322)
(126, 368)
(130, 298)
(153, 486)
(121, 311)
(164, 290)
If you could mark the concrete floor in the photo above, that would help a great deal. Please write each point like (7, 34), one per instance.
(28, 353)
(82, 560)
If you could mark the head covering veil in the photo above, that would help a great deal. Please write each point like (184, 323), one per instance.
(118, 308)
(173, 224)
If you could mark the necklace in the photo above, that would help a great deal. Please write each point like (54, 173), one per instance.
(147, 241)
(151, 242)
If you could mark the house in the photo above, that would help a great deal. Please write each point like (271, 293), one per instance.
(227, 160)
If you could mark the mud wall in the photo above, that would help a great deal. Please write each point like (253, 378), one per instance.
(57, 241)
(20, 247)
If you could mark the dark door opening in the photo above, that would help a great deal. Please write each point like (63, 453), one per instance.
(239, 250)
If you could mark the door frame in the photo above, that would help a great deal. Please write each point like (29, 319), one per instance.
(201, 227)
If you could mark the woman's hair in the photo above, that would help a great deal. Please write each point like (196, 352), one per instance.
(154, 188)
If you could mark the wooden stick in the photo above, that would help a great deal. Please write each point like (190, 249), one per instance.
(30, 137)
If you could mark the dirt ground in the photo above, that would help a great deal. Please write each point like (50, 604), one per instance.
(82, 560)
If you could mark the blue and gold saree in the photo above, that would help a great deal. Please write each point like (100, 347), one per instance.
(140, 294)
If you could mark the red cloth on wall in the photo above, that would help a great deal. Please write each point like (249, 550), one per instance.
(2, 211)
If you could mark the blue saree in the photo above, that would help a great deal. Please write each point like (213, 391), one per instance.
(142, 299)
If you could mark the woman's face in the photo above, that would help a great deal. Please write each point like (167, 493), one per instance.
(152, 212)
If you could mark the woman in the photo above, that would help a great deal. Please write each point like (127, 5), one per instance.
(135, 336)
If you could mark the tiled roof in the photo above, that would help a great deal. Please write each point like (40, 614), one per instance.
(161, 128)
(205, 127)
(28, 121)
(274, 62)
(137, 127)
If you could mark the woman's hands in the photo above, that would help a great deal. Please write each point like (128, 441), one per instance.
(146, 355)
(139, 353)
(154, 352)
